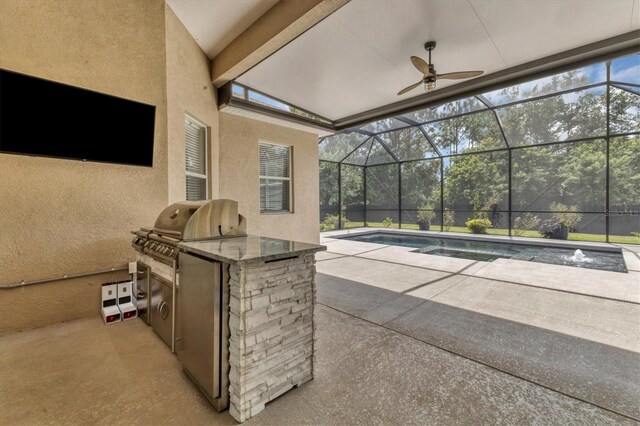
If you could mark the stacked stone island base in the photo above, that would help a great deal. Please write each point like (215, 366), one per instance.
(271, 329)
(272, 336)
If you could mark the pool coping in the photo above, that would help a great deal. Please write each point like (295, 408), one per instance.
(586, 245)
(491, 239)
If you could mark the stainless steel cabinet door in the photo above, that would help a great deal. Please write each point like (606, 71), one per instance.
(142, 291)
(198, 326)
(161, 308)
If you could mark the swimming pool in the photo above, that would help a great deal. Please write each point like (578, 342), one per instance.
(488, 251)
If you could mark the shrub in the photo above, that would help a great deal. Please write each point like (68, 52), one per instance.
(329, 222)
(561, 222)
(525, 223)
(568, 219)
(425, 216)
(448, 219)
(387, 222)
(551, 229)
(478, 226)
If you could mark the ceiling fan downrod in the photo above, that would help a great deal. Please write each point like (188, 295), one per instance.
(429, 46)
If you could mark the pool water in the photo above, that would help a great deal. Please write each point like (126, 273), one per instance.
(488, 251)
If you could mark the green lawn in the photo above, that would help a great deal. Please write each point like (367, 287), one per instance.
(573, 236)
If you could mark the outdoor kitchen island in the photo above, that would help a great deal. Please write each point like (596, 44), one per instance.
(271, 331)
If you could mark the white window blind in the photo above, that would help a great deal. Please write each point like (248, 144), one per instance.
(195, 151)
(275, 178)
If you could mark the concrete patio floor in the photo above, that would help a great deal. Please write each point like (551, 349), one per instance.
(83, 372)
(571, 330)
(401, 340)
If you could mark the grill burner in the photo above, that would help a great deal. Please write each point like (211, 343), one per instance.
(159, 246)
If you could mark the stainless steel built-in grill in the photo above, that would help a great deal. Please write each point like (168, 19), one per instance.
(196, 309)
(160, 298)
(158, 275)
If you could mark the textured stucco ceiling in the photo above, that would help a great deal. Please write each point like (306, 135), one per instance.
(215, 23)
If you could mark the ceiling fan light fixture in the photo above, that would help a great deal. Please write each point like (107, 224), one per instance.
(429, 86)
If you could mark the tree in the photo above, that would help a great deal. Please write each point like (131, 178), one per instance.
(337, 147)
(352, 180)
(477, 179)
(624, 167)
(474, 132)
(582, 171)
(624, 110)
(421, 184)
(328, 189)
(408, 144)
(382, 187)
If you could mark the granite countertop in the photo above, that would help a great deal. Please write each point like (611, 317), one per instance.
(249, 249)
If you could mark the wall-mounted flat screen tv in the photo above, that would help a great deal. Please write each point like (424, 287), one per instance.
(44, 118)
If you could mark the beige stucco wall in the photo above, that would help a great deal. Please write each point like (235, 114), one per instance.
(189, 91)
(63, 217)
(37, 305)
(239, 176)
(60, 216)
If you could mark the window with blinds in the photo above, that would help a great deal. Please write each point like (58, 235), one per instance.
(195, 152)
(275, 178)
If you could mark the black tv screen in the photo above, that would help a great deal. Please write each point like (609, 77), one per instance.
(44, 118)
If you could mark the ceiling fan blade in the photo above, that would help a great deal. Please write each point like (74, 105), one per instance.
(421, 65)
(460, 75)
(409, 88)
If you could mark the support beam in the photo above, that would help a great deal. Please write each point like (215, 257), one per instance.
(281, 24)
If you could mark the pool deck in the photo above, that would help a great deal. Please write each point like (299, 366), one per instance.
(568, 329)
(610, 285)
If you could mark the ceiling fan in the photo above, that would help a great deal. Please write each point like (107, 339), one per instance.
(430, 75)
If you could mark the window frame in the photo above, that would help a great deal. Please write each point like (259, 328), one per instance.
(188, 173)
(289, 179)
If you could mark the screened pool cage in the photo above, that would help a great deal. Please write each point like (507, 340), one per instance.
(552, 155)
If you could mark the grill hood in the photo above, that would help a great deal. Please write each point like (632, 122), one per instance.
(199, 220)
